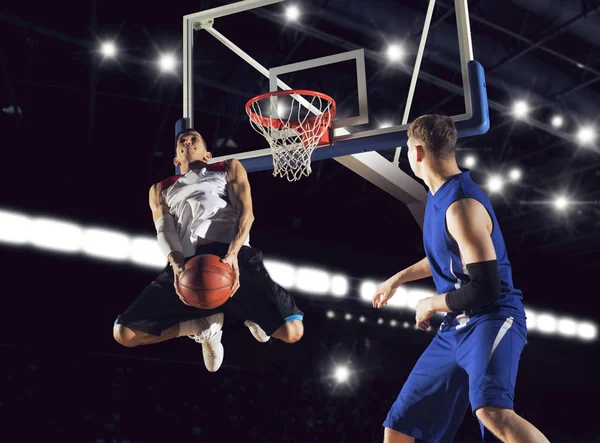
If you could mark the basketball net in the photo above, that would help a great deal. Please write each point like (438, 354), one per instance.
(294, 123)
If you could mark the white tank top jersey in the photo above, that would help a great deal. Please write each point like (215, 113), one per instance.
(199, 203)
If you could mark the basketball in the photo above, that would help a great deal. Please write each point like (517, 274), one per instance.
(206, 282)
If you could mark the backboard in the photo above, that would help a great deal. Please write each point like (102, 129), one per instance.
(357, 142)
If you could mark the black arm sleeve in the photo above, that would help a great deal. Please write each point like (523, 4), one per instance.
(482, 290)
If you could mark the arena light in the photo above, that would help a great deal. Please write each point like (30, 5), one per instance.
(561, 203)
(341, 374)
(495, 183)
(587, 331)
(395, 52)
(292, 13)
(339, 285)
(56, 235)
(515, 174)
(367, 290)
(107, 244)
(406, 325)
(109, 49)
(393, 323)
(146, 252)
(586, 135)
(348, 316)
(531, 319)
(400, 298)
(567, 327)
(520, 109)
(15, 228)
(546, 323)
(415, 295)
(167, 62)
(330, 314)
(312, 280)
(380, 321)
(362, 319)
(557, 121)
(281, 273)
(470, 161)
(385, 125)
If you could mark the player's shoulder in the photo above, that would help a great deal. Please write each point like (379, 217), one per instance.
(165, 184)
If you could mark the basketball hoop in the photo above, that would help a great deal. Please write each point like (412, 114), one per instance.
(294, 123)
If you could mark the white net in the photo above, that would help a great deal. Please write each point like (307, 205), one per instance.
(293, 123)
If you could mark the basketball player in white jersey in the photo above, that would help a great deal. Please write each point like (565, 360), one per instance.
(207, 209)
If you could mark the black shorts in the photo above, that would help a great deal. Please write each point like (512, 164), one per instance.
(258, 299)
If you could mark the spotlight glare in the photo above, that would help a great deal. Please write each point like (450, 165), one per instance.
(330, 314)
(380, 321)
(495, 183)
(393, 323)
(567, 327)
(546, 323)
(520, 109)
(561, 203)
(367, 290)
(167, 62)
(339, 285)
(586, 135)
(362, 319)
(395, 53)
(557, 121)
(587, 331)
(385, 125)
(292, 13)
(341, 374)
(470, 161)
(515, 174)
(348, 316)
(109, 49)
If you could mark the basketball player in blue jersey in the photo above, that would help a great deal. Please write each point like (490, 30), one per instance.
(207, 209)
(475, 354)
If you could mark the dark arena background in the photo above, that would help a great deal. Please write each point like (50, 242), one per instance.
(84, 133)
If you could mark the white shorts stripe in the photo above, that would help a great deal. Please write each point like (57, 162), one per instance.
(501, 333)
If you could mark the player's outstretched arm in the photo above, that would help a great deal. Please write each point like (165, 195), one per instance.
(388, 288)
(470, 225)
(241, 198)
(167, 236)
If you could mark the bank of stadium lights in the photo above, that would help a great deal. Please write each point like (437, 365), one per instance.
(108, 49)
(395, 52)
(66, 237)
(292, 13)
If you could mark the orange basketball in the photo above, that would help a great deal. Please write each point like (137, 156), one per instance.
(206, 282)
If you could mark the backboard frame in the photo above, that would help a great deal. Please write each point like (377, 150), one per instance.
(348, 148)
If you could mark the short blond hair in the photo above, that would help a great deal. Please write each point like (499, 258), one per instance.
(437, 133)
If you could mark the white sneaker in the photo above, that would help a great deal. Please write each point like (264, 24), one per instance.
(257, 331)
(210, 338)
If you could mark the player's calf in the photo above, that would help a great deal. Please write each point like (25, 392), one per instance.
(290, 332)
(509, 427)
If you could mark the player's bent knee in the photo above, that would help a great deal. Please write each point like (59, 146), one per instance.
(495, 419)
(294, 330)
(124, 336)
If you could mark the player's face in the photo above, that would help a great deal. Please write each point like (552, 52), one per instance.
(190, 149)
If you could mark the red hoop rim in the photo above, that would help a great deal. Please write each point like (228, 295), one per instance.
(260, 119)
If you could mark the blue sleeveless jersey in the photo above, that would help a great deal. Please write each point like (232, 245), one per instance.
(448, 270)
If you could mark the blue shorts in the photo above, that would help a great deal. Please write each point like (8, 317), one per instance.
(474, 362)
